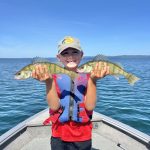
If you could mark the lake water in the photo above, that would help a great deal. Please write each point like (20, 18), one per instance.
(115, 98)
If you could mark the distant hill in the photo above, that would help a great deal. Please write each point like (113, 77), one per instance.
(132, 56)
(125, 56)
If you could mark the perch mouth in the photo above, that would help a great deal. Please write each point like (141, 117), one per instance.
(16, 77)
(80, 70)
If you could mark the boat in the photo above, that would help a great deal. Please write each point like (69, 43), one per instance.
(107, 134)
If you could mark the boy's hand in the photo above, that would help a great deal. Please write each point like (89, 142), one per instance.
(41, 73)
(100, 71)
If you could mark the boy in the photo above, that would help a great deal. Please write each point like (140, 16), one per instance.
(71, 102)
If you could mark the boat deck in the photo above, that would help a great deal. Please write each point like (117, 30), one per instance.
(38, 138)
(99, 143)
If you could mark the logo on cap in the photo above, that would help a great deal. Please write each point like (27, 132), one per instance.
(68, 40)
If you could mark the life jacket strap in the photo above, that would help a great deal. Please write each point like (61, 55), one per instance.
(81, 105)
(82, 113)
(53, 117)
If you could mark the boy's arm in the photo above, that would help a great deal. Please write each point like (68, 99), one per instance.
(41, 73)
(52, 96)
(90, 98)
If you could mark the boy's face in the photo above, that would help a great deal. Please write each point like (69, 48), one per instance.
(70, 58)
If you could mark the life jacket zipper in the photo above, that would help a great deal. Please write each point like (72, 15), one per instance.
(71, 103)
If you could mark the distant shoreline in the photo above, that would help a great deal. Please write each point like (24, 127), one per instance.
(117, 56)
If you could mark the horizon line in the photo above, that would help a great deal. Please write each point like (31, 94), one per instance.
(83, 56)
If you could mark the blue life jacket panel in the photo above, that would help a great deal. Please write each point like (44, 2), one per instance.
(72, 94)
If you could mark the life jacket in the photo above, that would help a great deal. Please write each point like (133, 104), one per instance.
(72, 95)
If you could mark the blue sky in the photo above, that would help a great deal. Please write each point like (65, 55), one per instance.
(30, 28)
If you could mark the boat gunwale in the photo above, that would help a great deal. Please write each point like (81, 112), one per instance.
(19, 127)
(123, 127)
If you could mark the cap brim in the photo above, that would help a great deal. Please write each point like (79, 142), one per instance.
(69, 46)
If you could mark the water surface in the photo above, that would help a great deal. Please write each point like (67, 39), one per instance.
(115, 98)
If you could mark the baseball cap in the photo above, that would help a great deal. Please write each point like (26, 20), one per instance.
(68, 42)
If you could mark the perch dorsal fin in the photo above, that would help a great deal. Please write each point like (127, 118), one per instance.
(36, 60)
